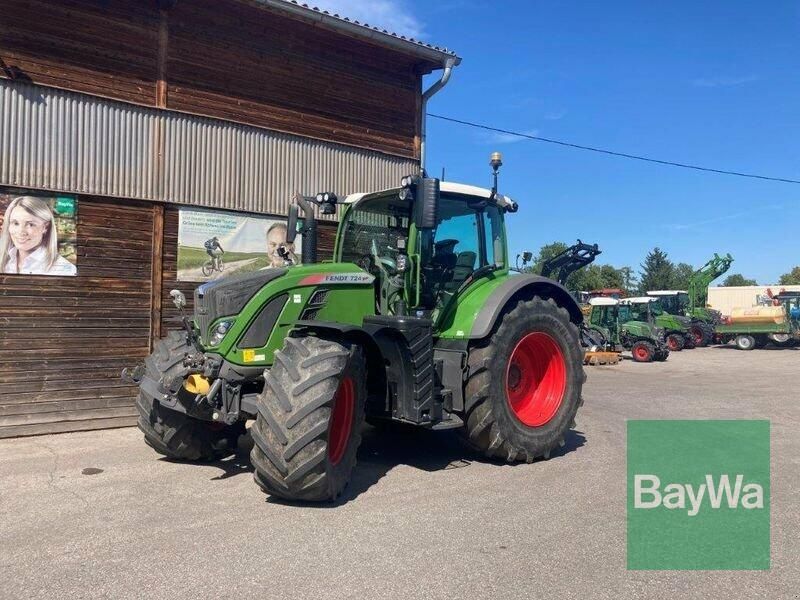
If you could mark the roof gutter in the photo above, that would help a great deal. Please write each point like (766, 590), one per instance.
(449, 63)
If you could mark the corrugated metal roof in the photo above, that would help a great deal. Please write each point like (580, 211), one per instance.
(376, 34)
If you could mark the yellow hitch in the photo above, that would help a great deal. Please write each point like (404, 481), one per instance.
(197, 384)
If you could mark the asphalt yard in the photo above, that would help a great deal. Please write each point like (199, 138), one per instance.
(101, 515)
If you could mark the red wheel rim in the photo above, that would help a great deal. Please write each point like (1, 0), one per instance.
(672, 344)
(641, 352)
(341, 420)
(536, 378)
(698, 337)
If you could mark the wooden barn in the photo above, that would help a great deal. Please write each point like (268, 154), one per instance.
(121, 121)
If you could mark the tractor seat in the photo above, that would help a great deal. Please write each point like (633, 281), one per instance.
(465, 265)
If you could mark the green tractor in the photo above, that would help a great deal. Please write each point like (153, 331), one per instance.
(613, 326)
(417, 320)
(676, 327)
(692, 302)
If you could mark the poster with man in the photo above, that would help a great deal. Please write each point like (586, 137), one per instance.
(213, 244)
(38, 234)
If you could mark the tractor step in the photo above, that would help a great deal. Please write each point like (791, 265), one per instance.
(454, 422)
(601, 358)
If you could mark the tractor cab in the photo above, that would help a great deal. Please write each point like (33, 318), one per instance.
(420, 267)
(673, 302)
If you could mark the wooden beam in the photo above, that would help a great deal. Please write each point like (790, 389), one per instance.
(163, 53)
(157, 273)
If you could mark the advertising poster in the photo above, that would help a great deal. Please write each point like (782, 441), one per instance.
(38, 235)
(213, 244)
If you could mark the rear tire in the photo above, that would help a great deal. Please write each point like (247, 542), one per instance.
(173, 433)
(310, 414)
(675, 342)
(745, 342)
(524, 385)
(643, 351)
(702, 333)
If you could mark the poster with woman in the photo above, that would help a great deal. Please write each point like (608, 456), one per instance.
(213, 244)
(38, 235)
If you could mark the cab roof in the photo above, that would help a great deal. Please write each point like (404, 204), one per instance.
(445, 187)
(603, 301)
(639, 300)
(666, 292)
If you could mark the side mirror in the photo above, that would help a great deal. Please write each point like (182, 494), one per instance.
(527, 256)
(426, 203)
(178, 299)
(291, 225)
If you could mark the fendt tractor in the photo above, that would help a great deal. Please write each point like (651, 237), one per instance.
(693, 302)
(676, 327)
(417, 320)
(613, 327)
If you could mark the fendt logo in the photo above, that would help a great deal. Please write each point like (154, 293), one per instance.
(649, 494)
(698, 495)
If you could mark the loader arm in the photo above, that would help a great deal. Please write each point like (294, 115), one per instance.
(698, 284)
(565, 263)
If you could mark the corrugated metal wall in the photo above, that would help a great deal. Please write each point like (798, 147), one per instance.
(725, 299)
(56, 140)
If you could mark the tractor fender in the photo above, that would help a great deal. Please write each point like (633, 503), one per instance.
(522, 287)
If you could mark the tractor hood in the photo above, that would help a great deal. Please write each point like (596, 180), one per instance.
(227, 296)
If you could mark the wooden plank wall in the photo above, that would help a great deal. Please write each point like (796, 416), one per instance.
(64, 340)
(228, 59)
(107, 48)
(290, 76)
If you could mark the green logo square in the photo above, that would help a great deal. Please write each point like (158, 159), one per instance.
(698, 495)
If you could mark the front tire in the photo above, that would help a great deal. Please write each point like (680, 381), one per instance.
(173, 433)
(310, 414)
(524, 385)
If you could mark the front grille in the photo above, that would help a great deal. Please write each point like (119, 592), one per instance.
(227, 297)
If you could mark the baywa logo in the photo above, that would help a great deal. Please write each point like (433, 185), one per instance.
(698, 495)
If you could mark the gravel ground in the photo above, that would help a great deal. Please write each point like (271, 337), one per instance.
(422, 519)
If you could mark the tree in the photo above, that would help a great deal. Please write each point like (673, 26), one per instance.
(657, 271)
(628, 279)
(737, 279)
(681, 276)
(790, 278)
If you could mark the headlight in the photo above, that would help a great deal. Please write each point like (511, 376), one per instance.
(218, 333)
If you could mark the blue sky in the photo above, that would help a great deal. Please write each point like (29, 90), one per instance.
(715, 83)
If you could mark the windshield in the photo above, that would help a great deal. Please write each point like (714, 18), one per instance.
(656, 308)
(382, 220)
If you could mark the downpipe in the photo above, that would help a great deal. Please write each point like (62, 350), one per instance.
(448, 69)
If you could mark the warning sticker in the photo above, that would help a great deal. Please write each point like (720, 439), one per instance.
(249, 355)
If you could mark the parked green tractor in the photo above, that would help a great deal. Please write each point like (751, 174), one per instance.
(675, 327)
(418, 320)
(613, 326)
(692, 302)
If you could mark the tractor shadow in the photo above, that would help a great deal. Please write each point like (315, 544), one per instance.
(382, 449)
(769, 347)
